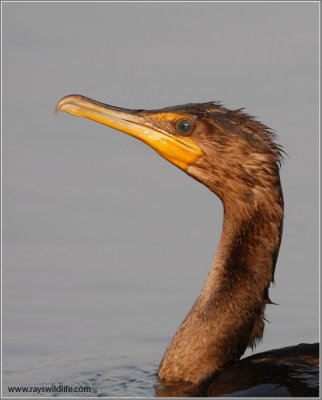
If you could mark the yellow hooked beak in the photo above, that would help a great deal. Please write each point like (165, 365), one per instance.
(180, 150)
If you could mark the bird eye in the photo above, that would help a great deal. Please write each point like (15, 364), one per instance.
(184, 126)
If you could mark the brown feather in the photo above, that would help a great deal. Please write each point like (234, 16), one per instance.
(240, 164)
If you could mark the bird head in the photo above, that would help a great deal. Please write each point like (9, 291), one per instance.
(228, 151)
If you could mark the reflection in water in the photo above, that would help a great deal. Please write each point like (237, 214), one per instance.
(126, 382)
(288, 372)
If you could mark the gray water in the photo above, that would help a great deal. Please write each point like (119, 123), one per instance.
(105, 244)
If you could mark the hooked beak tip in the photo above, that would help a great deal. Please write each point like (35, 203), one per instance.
(57, 108)
(67, 100)
(60, 104)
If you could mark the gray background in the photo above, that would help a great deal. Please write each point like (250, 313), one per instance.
(105, 244)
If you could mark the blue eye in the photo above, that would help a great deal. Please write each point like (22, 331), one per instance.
(184, 126)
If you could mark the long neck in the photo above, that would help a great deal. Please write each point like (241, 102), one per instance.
(228, 315)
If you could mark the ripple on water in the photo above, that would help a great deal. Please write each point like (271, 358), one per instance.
(123, 381)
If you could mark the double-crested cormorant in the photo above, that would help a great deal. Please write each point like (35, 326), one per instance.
(236, 157)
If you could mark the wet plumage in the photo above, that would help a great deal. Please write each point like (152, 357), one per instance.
(238, 159)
